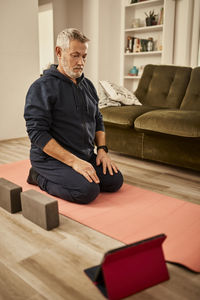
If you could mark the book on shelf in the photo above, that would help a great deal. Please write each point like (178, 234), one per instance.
(135, 45)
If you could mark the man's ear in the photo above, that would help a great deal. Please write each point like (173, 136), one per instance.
(58, 52)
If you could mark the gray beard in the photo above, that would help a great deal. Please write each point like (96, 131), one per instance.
(69, 72)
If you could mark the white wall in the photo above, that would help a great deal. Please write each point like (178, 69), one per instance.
(187, 33)
(109, 40)
(19, 60)
(60, 8)
(195, 42)
(66, 14)
(101, 23)
(183, 34)
(91, 30)
(75, 14)
(46, 36)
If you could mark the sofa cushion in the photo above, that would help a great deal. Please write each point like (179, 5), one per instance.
(191, 101)
(123, 116)
(175, 122)
(163, 85)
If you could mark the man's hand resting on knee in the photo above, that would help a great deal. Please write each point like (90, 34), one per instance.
(104, 158)
(86, 169)
(54, 149)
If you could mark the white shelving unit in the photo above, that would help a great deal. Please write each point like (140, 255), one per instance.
(147, 53)
(162, 35)
(145, 29)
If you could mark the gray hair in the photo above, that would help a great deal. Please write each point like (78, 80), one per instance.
(69, 34)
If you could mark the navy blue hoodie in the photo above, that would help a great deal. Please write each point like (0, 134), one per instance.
(57, 108)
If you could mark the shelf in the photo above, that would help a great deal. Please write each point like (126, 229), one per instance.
(143, 53)
(162, 34)
(132, 77)
(145, 3)
(145, 29)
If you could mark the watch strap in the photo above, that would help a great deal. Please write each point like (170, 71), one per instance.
(104, 147)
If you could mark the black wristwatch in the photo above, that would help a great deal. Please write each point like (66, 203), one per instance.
(104, 147)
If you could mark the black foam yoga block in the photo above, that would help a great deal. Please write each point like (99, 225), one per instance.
(40, 209)
(10, 195)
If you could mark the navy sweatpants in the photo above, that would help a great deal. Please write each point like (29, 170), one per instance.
(62, 181)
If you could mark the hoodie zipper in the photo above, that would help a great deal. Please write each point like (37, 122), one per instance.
(83, 114)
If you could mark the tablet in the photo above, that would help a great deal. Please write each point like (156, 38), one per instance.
(129, 269)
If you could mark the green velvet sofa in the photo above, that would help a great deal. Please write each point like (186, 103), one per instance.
(166, 127)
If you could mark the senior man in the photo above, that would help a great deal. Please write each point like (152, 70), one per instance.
(64, 123)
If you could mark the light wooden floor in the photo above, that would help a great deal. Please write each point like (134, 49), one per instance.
(36, 264)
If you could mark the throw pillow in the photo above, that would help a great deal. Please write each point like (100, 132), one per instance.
(118, 93)
(104, 100)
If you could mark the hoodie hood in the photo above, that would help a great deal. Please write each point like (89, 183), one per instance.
(53, 71)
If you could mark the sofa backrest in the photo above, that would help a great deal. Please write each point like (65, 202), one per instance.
(191, 101)
(163, 85)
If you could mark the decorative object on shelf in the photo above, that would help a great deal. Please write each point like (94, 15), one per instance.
(151, 18)
(144, 45)
(150, 45)
(127, 50)
(160, 19)
(134, 71)
(136, 23)
(159, 46)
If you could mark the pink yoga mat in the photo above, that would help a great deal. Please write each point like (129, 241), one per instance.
(133, 214)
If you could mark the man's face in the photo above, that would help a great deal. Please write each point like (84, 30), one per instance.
(73, 59)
